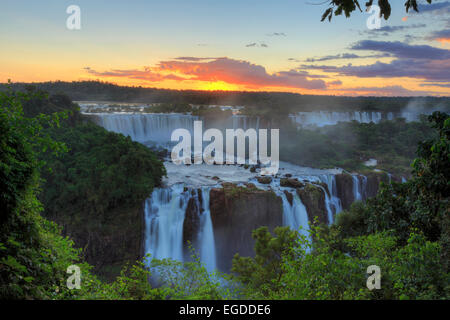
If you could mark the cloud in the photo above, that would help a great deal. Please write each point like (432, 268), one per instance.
(334, 83)
(442, 85)
(254, 44)
(238, 72)
(146, 74)
(387, 30)
(277, 34)
(441, 36)
(193, 58)
(345, 56)
(411, 68)
(403, 50)
(242, 73)
(436, 8)
(412, 61)
(387, 91)
(409, 38)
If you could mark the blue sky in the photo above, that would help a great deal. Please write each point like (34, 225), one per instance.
(135, 37)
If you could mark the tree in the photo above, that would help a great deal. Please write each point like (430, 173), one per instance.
(337, 7)
(262, 274)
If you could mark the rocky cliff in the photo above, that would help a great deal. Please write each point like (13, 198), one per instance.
(313, 198)
(373, 182)
(345, 191)
(235, 213)
(344, 185)
(108, 241)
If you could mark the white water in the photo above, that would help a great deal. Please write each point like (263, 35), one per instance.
(333, 203)
(206, 235)
(164, 217)
(324, 118)
(146, 127)
(357, 192)
(295, 215)
(165, 209)
(363, 187)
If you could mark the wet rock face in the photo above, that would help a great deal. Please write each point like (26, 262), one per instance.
(235, 213)
(373, 183)
(313, 198)
(264, 180)
(344, 185)
(191, 224)
(289, 196)
(291, 183)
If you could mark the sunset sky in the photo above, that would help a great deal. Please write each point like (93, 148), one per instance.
(228, 45)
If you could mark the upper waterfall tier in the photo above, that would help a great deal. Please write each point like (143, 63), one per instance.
(324, 118)
(145, 127)
(157, 127)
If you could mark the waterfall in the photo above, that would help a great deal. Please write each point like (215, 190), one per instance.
(324, 118)
(332, 202)
(245, 122)
(357, 195)
(206, 234)
(145, 127)
(164, 218)
(364, 187)
(295, 215)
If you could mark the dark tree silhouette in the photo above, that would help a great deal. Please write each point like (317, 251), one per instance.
(337, 7)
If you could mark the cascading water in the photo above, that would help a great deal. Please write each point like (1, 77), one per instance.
(164, 217)
(244, 122)
(324, 118)
(357, 194)
(332, 202)
(146, 127)
(363, 187)
(206, 235)
(295, 215)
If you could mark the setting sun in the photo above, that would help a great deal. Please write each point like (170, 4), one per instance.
(219, 86)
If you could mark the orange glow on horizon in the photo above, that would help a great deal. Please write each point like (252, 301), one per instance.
(219, 86)
(443, 40)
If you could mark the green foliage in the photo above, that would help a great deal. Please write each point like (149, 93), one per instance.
(348, 145)
(404, 230)
(262, 274)
(96, 189)
(101, 170)
(33, 255)
(168, 108)
(211, 113)
(255, 102)
(412, 271)
(190, 280)
(420, 203)
(337, 7)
